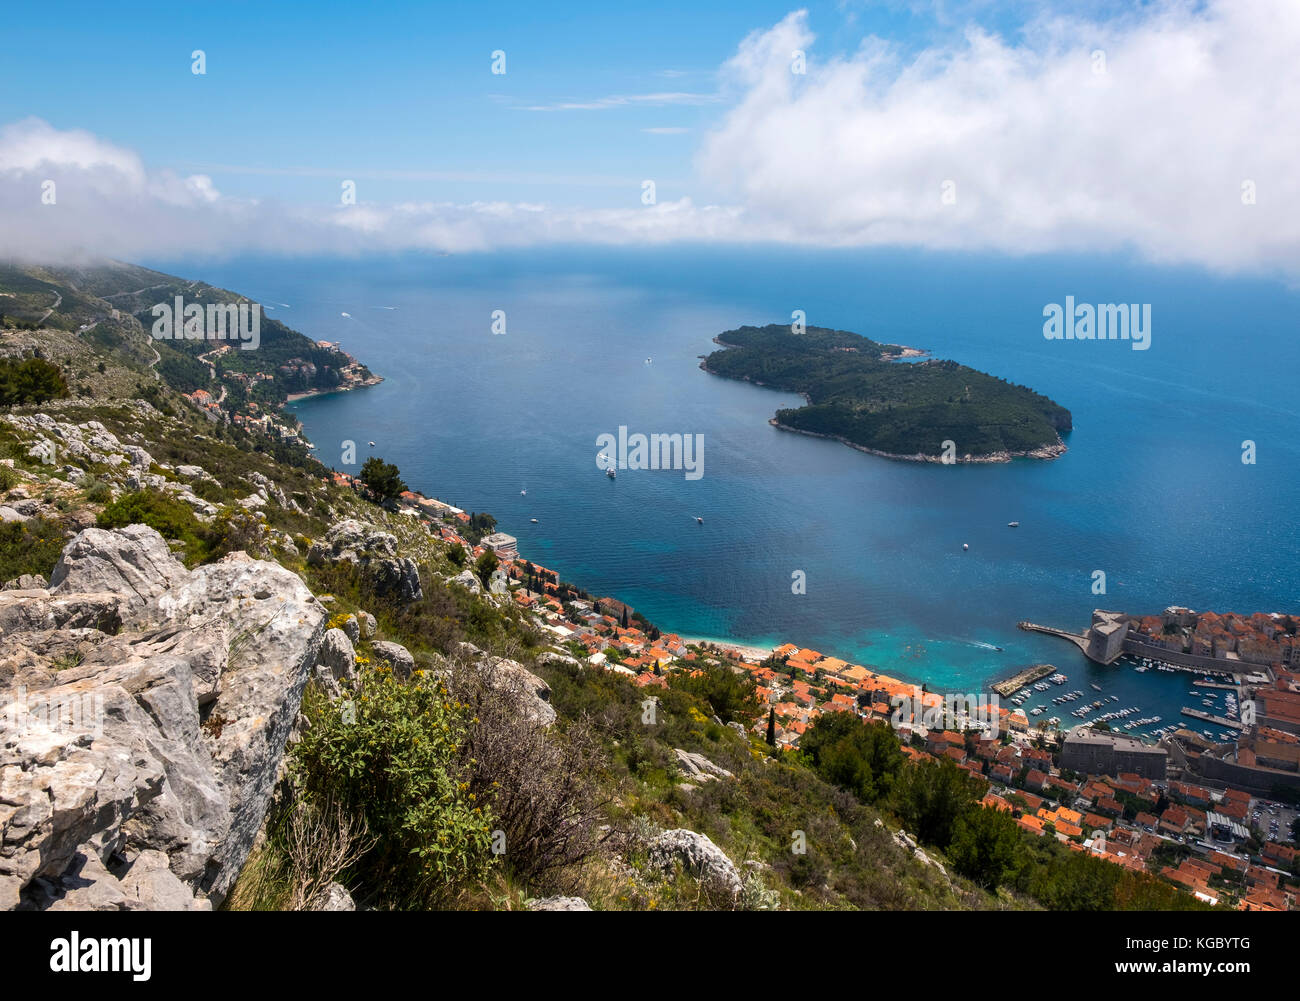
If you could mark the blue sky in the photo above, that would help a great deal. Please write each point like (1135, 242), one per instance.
(1093, 126)
(378, 89)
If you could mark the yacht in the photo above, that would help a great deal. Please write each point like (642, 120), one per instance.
(1013, 524)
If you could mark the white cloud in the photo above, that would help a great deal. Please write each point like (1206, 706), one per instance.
(1044, 154)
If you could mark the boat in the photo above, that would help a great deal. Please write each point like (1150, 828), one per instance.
(372, 444)
(523, 492)
(699, 520)
(1096, 686)
(533, 520)
(1013, 524)
(610, 472)
(965, 546)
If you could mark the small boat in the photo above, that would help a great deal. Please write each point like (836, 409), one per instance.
(647, 361)
(372, 444)
(533, 520)
(699, 520)
(1013, 524)
(965, 546)
(523, 492)
(610, 472)
(1096, 686)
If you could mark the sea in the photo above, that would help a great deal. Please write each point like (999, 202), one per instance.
(502, 370)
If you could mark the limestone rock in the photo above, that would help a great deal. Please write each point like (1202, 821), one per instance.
(337, 655)
(559, 904)
(698, 768)
(375, 553)
(698, 855)
(395, 656)
(165, 738)
(133, 561)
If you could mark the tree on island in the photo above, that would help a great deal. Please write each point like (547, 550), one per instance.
(383, 478)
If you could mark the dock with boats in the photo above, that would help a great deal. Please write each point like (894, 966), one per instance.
(1026, 677)
(1223, 721)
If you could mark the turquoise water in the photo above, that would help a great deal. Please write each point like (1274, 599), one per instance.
(1152, 490)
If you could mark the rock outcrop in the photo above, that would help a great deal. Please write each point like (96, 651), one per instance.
(375, 554)
(139, 750)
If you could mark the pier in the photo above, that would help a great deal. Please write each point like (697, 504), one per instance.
(1026, 677)
(1078, 639)
(1231, 724)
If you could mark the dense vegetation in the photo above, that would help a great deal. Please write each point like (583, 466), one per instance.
(942, 805)
(857, 392)
(30, 380)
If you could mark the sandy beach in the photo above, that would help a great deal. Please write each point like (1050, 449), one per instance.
(752, 653)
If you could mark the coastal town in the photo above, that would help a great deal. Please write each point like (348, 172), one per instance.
(1217, 819)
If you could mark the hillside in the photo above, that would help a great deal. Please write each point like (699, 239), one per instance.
(858, 392)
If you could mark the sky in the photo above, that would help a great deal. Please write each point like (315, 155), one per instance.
(1168, 129)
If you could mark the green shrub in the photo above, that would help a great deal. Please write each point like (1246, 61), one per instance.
(31, 546)
(30, 380)
(171, 518)
(98, 492)
(389, 755)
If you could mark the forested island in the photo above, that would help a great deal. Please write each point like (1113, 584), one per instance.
(858, 392)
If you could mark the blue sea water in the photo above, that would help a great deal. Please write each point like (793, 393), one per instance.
(1152, 491)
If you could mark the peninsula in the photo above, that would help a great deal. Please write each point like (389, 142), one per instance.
(858, 392)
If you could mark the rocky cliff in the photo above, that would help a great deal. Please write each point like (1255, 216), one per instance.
(148, 714)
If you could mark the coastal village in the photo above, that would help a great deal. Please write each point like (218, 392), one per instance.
(1213, 819)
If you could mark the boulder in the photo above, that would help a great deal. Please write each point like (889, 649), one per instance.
(468, 579)
(337, 655)
(559, 904)
(368, 625)
(335, 898)
(133, 562)
(697, 768)
(352, 627)
(395, 656)
(536, 693)
(698, 855)
(27, 582)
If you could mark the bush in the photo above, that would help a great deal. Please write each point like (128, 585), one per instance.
(390, 756)
(31, 546)
(169, 517)
(539, 782)
(30, 380)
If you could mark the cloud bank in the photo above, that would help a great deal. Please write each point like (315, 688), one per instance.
(1171, 133)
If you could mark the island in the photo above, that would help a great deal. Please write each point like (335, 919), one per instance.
(864, 394)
